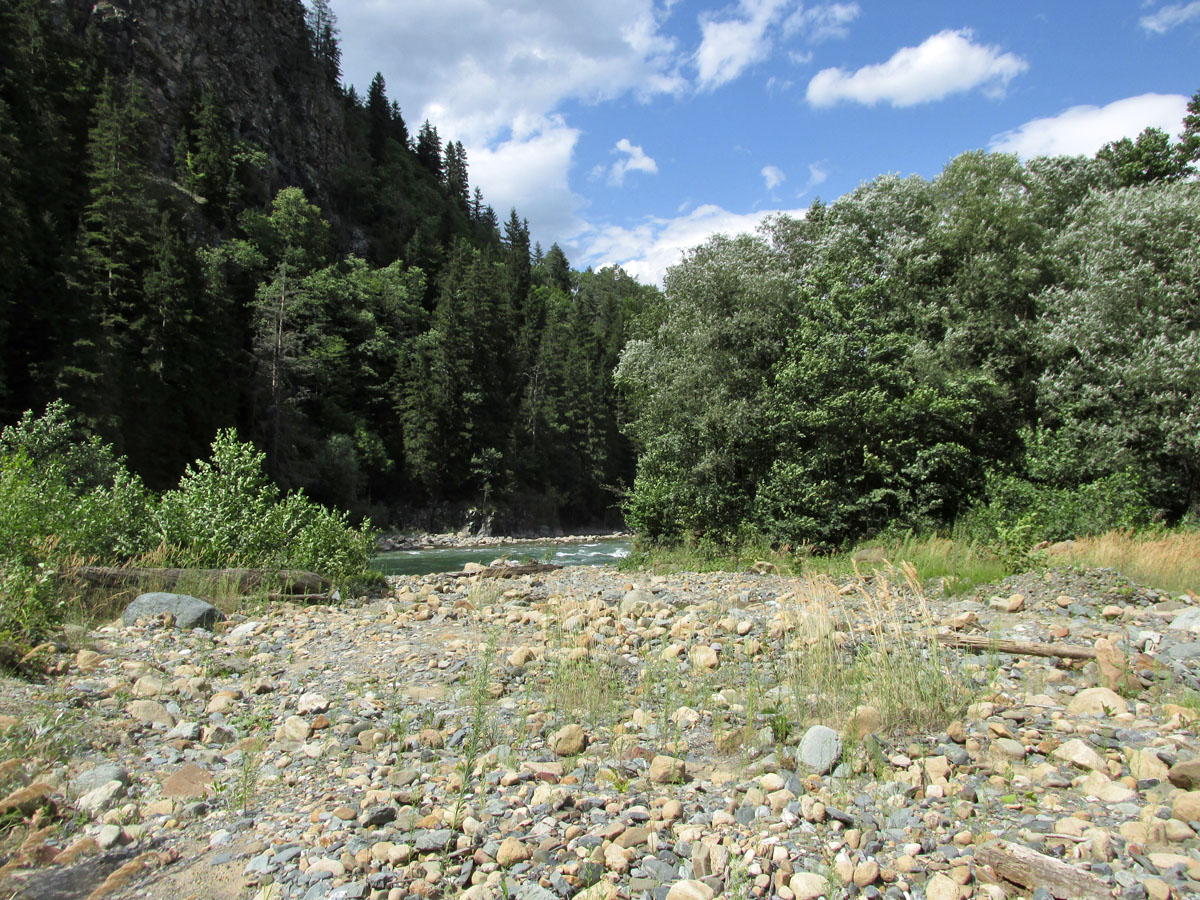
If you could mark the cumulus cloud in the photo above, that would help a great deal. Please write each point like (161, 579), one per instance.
(648, 249)
(635, 160)
(773, 176)
(530, 173)
(949, 62)
(475, 68)
(496, 75)
(1082, 130)
(1163, 20)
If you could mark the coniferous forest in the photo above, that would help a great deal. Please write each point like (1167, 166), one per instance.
(205, 229)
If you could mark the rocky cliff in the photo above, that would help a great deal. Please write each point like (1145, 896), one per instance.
(254, 54)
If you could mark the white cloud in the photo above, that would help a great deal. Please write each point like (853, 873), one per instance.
(648, 249)
(1168, 17)
(495, 76)
(1082, 130)
(730, 46)
(530, 173)
(475, 68)
(635, 160)
(774, 177)
(946, 63)
(822, 23)
(817, 175)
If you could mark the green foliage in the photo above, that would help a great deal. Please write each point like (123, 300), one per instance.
(227, 509)
(66, 500)
(1021, 336)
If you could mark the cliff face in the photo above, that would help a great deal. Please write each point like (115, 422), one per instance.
(253, 53)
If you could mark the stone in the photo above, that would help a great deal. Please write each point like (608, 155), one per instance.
(511, 852)
(310, 703)
(1080, 754)
(864, 720)
(636, 603)
(1144, 764)
(866, 874)
(1098, 701)
(100, 775)
(1114, 670)
(569, 740)
(101, 798)
(433, 841)
(1186, 806)
(820, 749)
(296, 728)
(150, 712)
(667, 770)
(1188, 620)
(690, 889)
(188, 611)
(191, 781)
(942, 887)
(1098, 785)
(1185, 774)
(808, 886)
(88, 660)
(703, 656)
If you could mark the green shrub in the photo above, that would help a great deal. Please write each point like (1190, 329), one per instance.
(67, 499)
(1020, 512)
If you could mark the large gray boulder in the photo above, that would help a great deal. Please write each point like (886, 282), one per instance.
(189, 612)
(820, 749)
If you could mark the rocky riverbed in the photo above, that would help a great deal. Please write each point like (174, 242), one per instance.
(595, 734)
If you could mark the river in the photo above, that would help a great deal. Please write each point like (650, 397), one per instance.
(603, 551)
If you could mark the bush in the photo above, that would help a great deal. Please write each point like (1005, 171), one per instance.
(1020, 512)
(227, 511)
(66, 498)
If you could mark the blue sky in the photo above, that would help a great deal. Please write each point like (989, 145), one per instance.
(630, 130)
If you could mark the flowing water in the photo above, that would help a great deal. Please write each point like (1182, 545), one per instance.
(603, 551)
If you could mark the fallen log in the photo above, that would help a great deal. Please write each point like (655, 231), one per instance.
(505, 571)
(1023, 648)
(287, 581)
(1030, 869)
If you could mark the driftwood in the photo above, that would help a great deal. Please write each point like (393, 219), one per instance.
(1024, 648)
(287, 581)
(1030, 869)
(506, 571)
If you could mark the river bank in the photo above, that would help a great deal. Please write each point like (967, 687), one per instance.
(599, 735)
(463, 540)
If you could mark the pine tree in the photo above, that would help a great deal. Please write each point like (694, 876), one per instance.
(211, 165)
(429, 150)
(456, 175)
(399, 129)
(323, 34)
(379, 119)
(113, 253)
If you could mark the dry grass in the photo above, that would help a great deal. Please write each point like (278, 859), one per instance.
(879, 650)
(1169, 562)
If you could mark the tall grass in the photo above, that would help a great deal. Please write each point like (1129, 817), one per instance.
(1167, 561)
(842, 655)
(959, 563)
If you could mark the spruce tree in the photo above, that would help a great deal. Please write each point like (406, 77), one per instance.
(429, 150)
